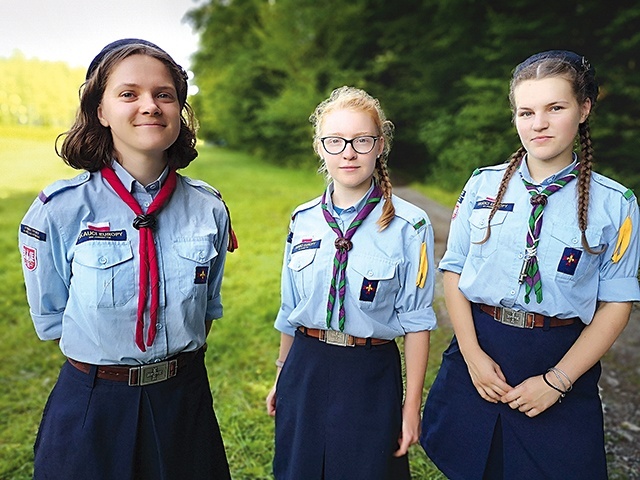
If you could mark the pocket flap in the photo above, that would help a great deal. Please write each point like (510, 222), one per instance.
(302, 259)
(201, 251)
(372, 268)
(103, 254)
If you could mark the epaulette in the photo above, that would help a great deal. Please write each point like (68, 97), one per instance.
(61, 185)
(409, 213)
(203, 185)
(494, 168)
(306, 206)
(233, 239)
(627, 193)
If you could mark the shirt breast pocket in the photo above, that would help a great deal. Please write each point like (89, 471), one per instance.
(104, 273)
(301, 267)
(372, 282)
(193, 259)
(570, 260)
(478, 222)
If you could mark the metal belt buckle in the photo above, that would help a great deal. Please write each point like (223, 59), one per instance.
(515, 318)
(152, 373)
(333, 337)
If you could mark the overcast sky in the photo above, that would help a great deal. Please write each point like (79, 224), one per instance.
(74, 31)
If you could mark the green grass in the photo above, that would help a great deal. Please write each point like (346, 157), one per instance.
(242, 345)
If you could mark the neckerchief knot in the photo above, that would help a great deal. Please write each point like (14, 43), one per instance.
(343, 244)
(144, 221)
(538, 199)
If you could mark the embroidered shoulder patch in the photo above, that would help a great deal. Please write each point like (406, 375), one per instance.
(32, 232)
(569, 261)
(420, 224)
(30, 258)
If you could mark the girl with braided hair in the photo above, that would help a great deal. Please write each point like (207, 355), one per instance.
(355, 277)
(534, 307)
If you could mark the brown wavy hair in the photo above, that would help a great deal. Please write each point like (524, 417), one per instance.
(88, 145)
(356, 99)
(579, 73)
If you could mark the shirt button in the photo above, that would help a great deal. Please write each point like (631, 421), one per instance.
(574, 240)
(370, 273)
(103, 260)
(201, 254)
(159, 326)
(481, 222)
(146, 204)
(513, 292)
(520, 256)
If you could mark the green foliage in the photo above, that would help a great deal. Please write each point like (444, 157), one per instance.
(242, 345)
(35, 92)
(440, 71)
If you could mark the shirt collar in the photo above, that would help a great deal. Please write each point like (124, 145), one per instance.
(359, 205)
(132, 184)
(524, 172)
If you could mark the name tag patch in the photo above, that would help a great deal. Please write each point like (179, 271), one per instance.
(569, 260)
(306, 245)
(202, 273)
(488, 203)
(368, 290)
(111, 235)
(29, 257)
(32, 232)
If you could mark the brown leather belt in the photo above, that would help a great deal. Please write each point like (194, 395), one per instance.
(142, 374)
(334, 337)
(521, 319)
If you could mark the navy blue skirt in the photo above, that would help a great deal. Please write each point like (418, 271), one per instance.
(103, 429)
(339, 413)
(461, 432)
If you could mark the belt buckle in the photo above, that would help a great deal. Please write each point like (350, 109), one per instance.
(514, 318)
(152, 373)
(333, 337)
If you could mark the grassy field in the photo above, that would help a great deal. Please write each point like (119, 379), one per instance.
(242, 345)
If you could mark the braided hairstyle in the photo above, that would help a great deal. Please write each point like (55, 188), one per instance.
(581, 75)
(358, 100)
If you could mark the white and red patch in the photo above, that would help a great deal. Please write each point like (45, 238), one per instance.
(99, 226)
(30, 257)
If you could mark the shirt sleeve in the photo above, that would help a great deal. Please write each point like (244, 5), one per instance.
(214, 299)
(619, 279)
(46, 270)
(459, 238)
(414, 302)
(289, 297)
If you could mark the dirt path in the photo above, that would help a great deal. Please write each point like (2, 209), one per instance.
(620, 381)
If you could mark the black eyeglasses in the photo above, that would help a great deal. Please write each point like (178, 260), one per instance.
(336, 145)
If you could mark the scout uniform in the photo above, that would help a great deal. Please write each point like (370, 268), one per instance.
(81, 267)
(458, 425)
(339, 408)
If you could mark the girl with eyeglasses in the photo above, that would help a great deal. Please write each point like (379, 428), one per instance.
(357, 274)
(534, 305)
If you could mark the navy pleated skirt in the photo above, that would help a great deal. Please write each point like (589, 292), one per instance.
(466, 436)
(102, 429)
(339, 413)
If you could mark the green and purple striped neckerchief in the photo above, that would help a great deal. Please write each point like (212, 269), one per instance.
(343, 245)
(530, 274)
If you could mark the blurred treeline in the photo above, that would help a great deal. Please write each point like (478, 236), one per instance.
(440, 68)
(35, 92)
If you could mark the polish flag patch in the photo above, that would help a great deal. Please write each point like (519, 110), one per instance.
(29, 257)
(98, 227)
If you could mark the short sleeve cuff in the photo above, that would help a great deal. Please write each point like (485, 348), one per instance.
(619, 290)
(282, 324)
(418, 320)
(48, 327)
(452, 262)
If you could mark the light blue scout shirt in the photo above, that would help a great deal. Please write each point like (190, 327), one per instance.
(81, 267)
(573, 280)
(381, 299)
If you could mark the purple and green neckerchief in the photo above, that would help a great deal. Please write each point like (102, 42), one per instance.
(343, 245)
(530, 273)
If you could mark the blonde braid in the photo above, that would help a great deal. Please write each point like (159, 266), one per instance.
(388, 210)
(514, 163)
(584, 181)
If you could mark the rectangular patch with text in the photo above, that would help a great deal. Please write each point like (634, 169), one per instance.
(32, 232)
(112, 235)
(306, 245)
(488, 203)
